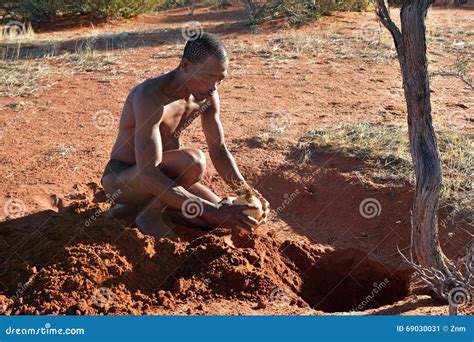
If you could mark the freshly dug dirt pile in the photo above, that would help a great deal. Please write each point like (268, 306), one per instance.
(105, 267)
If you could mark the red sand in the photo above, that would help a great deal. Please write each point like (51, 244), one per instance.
(318, 255)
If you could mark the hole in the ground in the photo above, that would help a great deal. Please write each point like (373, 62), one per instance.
(347, 280)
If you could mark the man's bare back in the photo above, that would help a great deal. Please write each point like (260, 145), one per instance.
(149, 167)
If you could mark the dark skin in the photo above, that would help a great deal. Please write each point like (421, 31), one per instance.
(154, 115)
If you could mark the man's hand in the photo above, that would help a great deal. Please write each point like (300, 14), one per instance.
(265, 205)
(231, 216)
(228, 200)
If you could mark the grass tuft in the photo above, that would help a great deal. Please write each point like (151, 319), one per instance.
(386, 150)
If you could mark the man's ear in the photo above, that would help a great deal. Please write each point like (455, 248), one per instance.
(184, 64)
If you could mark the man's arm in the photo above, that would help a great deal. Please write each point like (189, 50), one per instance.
(221, 158)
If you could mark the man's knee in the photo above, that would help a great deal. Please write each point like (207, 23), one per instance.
(195, 163)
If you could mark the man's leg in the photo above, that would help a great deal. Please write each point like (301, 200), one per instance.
(185, 166)
(203, 191)
(150, 219)
(177, 216)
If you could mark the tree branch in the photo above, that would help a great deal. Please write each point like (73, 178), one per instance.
(453, 74)
(383, 13)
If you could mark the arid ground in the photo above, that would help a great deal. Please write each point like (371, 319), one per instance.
(308, 113)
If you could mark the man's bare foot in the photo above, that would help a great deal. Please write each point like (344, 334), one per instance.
(150, 221)
(122, 210)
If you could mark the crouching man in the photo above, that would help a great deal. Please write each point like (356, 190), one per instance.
(150, 169)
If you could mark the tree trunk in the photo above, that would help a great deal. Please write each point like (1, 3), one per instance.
(423, 146)
(411, 48)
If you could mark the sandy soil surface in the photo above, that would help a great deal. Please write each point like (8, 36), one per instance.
(316, 255)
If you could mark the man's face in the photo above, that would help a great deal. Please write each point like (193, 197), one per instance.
(203, 78)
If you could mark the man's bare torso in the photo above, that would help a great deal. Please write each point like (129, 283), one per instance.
(177, 115)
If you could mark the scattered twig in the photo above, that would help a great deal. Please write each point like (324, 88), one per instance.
(457, 75)
(367, 236)
(398, 251)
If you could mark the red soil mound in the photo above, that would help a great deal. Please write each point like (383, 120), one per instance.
(107, 268)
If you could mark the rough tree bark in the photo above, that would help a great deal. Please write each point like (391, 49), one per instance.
(410, 43)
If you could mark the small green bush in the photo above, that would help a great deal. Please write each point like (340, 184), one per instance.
(29, 10)
(353, 5)
(126, 8)
(47, 10)
(298, 12)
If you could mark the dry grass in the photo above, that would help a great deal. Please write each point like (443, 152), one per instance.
(386, 150)
(265, 139)
(24, 68)
(281, 47)
(61, 151)
(170, 51)
(23, 77)
(294, 46)
(87, 61)
(368, 42)
(457, 39)
(16, 32)
(20, 76)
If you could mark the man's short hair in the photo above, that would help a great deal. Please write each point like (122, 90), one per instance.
(199, 47)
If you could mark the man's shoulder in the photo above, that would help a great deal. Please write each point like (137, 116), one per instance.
(147, 90)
